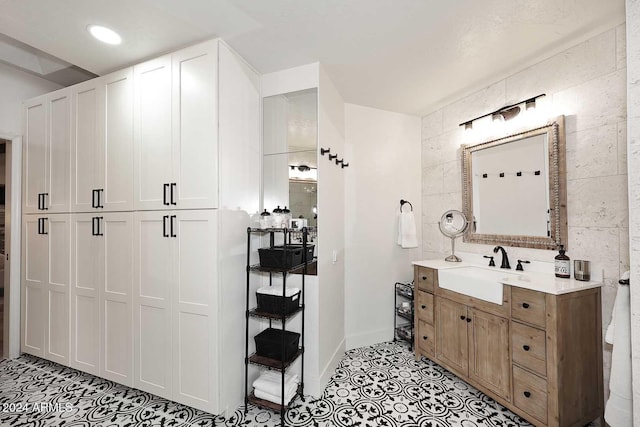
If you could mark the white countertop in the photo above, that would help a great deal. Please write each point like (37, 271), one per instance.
(537, 281)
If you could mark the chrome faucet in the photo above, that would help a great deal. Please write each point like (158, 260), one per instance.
(505, 258)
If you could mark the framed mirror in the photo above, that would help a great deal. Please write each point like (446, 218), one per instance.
(514, 189)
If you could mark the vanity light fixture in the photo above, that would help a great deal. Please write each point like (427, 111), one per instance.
(104, 34)
(506, 113)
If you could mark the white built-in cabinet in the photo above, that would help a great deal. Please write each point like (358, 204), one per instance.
(102, 144)
(176, 130)
(121, 227)
(175, 305)
(47, 124)
(45, 289)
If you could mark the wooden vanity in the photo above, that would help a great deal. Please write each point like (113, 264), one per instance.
(538, 354)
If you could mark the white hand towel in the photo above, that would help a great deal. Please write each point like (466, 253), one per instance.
(609, 335)
(270, 382)
(288, 395)
(407, 234)
(619, 408)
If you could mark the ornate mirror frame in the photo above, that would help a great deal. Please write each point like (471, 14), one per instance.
(557, 190)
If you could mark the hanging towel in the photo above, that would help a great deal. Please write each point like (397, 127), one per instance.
(407, 234)
(619, 408)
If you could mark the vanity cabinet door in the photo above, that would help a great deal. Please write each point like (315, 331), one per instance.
(452, 343)
(489, 361)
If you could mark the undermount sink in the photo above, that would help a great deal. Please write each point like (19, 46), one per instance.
(476, 282)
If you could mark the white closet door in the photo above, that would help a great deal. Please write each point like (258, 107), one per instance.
(154, 277)
(195, 303)
(115, 296)
(34, 279)
(116, 153)
(34, 153)
(85, 293)
(195, 129)
(57, 300)
(152, 134)
(59, 146)
(86, 138)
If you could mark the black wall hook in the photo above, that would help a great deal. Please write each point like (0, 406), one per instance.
(333, 156)
(345, 165)
(339, 161)
(324, 151)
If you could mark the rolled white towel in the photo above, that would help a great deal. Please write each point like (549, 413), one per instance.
(407, 234)
(270, 382)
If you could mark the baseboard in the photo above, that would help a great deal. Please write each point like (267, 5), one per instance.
(315, 386)
(369, 338)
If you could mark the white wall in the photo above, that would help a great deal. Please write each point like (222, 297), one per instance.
(633, 160)
(587, 84)
(383, 168)
(18, 86)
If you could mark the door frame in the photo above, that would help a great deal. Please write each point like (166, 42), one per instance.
(11, 338)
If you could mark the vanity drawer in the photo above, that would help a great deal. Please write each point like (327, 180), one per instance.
(529, 347)
(528, 306)
(530, 393)
(426, 338)
(424, 307)
(425, 278)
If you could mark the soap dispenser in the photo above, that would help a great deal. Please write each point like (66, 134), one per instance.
(562, 264)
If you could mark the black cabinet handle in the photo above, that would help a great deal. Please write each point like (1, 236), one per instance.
(94, 221)
(44, 231)
(165, 187)
(99, 205)
(462, 317)
(173, 187)
(425, 337)
(423, 306)
(99, 218)
(525, 305)
(39, 208)
(39, 219)
(164, 226)
(468, 320)
(173, 217)
(44, 201)
(94, 204)
(527, 394)
(424, 277)
(526, 347)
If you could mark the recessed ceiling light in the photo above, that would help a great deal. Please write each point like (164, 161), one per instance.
(104, 34)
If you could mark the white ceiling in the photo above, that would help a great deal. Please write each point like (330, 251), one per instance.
(410, 56)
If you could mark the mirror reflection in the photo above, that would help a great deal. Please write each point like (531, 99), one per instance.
(514, 189)
(290, 164)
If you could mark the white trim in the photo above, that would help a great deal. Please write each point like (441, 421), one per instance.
(315, 386)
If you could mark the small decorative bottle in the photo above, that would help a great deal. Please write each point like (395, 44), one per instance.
(286, 217)
(562, 264)
(277, 217)
(265, 220)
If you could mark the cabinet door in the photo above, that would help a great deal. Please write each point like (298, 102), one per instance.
(116, 150)
(57, 298)
(152, 134)
(58, 148)
(195, 127)
(489, 360)
(34, 284)
(115, 297)
(34, 153)
(85, 294)
(154, 277)
(87, 115)
(451, 336)
(195, 302)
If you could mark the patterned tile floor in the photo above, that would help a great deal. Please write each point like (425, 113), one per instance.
(381, 385)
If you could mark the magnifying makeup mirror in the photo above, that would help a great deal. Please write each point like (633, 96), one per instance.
(453, 224)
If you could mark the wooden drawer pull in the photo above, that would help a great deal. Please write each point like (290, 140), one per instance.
(525, 305)
(527, 394)
(526, 347)
(423, 306)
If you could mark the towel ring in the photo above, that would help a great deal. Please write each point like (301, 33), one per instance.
(402, 202)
